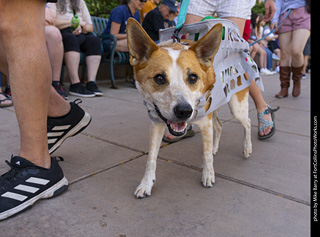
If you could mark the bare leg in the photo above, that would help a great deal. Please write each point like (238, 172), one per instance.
(299, 40)
(122, 46)
(58, 106)
(55, 50)
(190, 18)
(93, 63)
(72, 60)
(285, 45)
(30, 74)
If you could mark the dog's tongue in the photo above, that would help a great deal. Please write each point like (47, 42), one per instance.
(178, 127)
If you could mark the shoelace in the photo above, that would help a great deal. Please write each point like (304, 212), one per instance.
(7, 177)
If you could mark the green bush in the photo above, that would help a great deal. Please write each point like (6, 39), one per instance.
(259, 8)
(102, 8)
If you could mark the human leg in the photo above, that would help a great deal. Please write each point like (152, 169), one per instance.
(72, 60)
(122, 46)
(285, 46)
(285, 61)
(55, 51)
(299, 39)
(28, 65)
(28, 62)
(190, 18)
(91, 46)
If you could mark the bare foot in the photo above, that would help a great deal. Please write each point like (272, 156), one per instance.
(4, 100)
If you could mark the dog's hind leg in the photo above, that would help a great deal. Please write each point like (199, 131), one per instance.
(217, 126)
(156, 134)
(239, 106)
(206, 127)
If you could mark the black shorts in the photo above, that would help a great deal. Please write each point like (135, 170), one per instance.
(272, 45)
(85, 43)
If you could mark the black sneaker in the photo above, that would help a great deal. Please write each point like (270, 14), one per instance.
(60, 128)
(92, 86)
(79, 90)
(26, 183)
(56, 85)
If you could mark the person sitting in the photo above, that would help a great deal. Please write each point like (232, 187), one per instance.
(150, 5)
(257, 48)
(55, 50)
(273, 45)
(160, 18)
(75, 41)
(117, 24)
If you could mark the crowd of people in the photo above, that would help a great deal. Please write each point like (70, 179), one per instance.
(45, 48)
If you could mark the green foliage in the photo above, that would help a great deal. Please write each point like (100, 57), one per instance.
(259, 8)
(102, 8)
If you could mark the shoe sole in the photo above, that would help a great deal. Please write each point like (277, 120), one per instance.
(98, 93)
(81, 95)
(85, 121)
(51, 192)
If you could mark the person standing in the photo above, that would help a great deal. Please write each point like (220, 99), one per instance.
(292, 35)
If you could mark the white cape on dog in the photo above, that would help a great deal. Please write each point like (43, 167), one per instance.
(232, 64)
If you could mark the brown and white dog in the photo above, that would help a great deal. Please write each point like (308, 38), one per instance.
(171, 78)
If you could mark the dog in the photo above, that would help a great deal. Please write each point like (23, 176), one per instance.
(171, 77)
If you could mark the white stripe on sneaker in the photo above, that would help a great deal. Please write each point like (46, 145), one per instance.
(50, 141)
(14, 196)
(64, 127)
(54, 134)
(26, 188)
(37, 181)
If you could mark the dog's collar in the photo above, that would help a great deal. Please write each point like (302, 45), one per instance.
(152, 113)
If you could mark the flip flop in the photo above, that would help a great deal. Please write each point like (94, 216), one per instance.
(266, 123)
(7, 97)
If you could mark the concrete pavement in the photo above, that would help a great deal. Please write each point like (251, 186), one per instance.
(265, 195)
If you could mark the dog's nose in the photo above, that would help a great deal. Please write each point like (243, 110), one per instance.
(183, 111)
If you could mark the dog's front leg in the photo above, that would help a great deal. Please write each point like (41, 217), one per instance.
(206, 127)
(156, 134)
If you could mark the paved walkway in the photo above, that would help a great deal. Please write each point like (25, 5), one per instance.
(265, 195)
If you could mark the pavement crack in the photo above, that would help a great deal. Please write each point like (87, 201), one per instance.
(238, 181)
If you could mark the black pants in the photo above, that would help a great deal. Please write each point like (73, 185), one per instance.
(86, 43)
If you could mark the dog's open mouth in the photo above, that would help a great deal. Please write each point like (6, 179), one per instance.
(175, 128)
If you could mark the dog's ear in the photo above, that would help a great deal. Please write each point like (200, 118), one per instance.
(207, 47)
(140, 45)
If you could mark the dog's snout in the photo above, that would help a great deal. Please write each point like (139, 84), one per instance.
(183, 111)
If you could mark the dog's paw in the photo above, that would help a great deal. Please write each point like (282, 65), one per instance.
(143, 190)
(208, 179)
(215, 150)
(247, 150)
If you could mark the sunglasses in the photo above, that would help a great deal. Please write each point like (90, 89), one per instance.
(170, 11)
(143, 1)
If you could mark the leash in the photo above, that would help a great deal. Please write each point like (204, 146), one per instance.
(181, 19)
(280, 23)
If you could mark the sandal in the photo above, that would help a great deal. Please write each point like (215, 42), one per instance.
(7, 98)
(266, 123)
(189, 133)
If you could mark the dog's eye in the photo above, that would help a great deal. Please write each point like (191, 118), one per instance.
(159, 79)
(192, 78)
